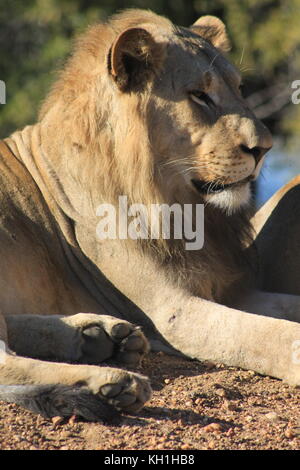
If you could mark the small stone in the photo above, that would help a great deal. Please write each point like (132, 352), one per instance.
(209, 365)
(272, 416)
(221, 392)
(185, 446)
(167, 381)
(166, 410)
(289, 433)
(213, 427)
(57, 420)
(230, 406)
(72, 419)
(211, 445)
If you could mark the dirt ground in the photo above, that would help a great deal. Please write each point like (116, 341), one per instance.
(194, 406)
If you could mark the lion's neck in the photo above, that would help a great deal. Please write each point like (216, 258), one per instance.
(49, 167)
(27, 146)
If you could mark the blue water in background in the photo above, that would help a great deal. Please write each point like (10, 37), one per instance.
(280, 166)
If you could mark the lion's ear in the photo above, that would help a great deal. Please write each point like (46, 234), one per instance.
(134, 58)
(213, 30)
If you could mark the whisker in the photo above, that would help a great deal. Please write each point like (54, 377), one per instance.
(187, 170)
(177, 160)
(246, 69)
(242, 55)
(211, 64)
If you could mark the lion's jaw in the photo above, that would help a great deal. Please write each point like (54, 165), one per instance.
(224, 166)
(231, 199)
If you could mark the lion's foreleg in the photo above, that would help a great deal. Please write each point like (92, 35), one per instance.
(60, 389)
(86, 338)
(207, 331)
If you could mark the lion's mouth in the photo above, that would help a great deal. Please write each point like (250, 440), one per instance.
(213, 187)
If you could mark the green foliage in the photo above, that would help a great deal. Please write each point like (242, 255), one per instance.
(35, 38)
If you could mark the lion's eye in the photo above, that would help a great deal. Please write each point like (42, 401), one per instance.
(201, 98)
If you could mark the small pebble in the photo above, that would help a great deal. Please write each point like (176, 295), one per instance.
(72, 419)
(289, 433)
(213, 427)
(272, 416)
(185, 446)
(57, 420)
(211, 445)
(209, 365)
(221, 392)
(230, 406)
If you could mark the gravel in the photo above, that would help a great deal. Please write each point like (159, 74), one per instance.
(194, 406)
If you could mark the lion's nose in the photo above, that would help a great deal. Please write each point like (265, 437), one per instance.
(257, 152)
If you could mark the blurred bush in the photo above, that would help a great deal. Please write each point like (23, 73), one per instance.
(35, 39)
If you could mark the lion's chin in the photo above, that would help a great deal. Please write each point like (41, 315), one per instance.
(230, 200)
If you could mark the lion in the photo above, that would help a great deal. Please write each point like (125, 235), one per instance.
(153, 112)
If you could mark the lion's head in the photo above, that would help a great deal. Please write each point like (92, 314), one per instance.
(159, 110)
(153, 111)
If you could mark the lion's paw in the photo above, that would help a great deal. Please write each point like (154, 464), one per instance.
(128, 394)
(104, 338)
(91, 392)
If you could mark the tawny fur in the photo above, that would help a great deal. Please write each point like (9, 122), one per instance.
(127, 116)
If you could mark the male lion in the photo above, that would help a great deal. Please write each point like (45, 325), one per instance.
(151, 111)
